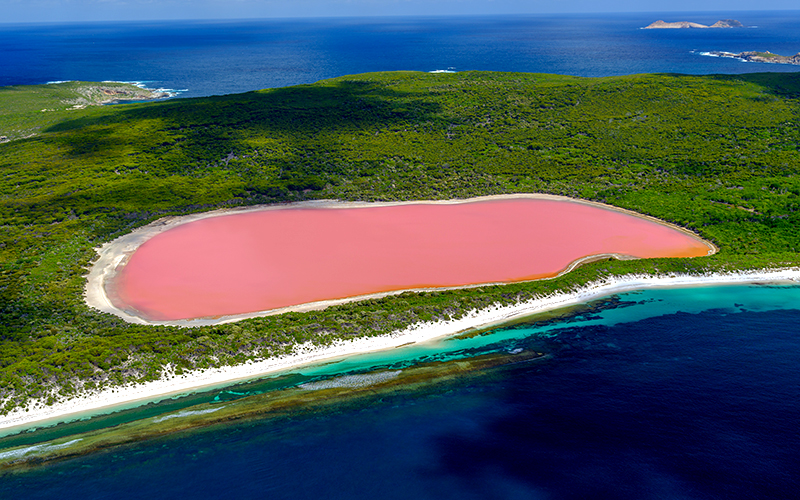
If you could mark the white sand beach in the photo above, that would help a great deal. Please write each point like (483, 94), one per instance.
(170, 385)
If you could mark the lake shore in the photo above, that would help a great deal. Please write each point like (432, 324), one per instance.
(38, 414)
(100, 291)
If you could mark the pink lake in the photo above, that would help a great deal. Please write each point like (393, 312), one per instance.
(263, 260)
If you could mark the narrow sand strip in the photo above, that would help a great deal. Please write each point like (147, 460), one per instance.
(114, 255)
(170, 385)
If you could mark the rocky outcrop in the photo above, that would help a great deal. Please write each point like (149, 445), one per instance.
(111, 94)
(723, 23)
(727, 23)
(93, 94)
(680, 24)
(752, 56)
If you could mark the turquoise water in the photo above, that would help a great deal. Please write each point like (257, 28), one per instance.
(604, 312)
(671, 393)
(662, 393)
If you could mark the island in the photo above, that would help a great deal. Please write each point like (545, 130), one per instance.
(753, 56)
(713, 155)
(723, 23)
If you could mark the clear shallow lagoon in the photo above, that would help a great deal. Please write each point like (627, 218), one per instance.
(677, 393)
(223, 57)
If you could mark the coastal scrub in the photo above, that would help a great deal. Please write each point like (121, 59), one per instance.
(718, 155)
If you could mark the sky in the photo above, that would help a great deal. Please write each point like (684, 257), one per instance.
(34, 11)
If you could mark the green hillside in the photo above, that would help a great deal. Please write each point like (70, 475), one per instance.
(717, 154)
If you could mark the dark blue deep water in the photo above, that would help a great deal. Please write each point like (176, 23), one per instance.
(687, 394)
(222, 57)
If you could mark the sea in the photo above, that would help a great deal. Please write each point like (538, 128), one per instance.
(202, 58)
(680, 393)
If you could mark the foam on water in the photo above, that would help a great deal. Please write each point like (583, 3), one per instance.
(695, 396)
(363, 380)
(187, 413)
(39, 448)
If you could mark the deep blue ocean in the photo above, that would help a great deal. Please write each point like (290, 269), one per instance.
(674, 393)
(223, 57)
(677, 393)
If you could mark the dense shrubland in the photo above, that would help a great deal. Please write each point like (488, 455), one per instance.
(717, 154)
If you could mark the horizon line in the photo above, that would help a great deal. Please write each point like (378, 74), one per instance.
(388, 16)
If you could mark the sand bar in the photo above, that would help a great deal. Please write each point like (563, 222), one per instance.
(228, 265)
(170, 385)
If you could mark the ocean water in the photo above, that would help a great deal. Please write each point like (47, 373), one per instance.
(220, 57)
(676, 393)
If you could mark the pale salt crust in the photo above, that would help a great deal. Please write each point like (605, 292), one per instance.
(171, 385)
(114, 255)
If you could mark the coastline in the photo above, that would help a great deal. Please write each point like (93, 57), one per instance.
(114, 254)
(170, 385)
(755, 56)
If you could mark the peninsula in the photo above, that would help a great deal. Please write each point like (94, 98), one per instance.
(714, 155)
(722, 23)
(753, 56)
(29, 109)
(97, 94)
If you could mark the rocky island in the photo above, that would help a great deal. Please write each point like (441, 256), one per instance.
(753, 56)
(722, 23)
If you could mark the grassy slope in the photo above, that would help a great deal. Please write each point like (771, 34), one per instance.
(717, 154)
(28, 109)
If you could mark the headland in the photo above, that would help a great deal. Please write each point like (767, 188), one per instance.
(755, 56)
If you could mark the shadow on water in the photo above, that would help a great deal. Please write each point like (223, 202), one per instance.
(679, 409)
(677, 404)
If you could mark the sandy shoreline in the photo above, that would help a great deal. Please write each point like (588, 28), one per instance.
(420, 332)
(114, 255)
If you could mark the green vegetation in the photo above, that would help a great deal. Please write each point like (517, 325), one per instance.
(717, 154)
(26, 110)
